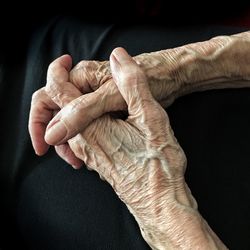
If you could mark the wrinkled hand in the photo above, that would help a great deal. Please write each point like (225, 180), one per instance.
(85, 77)
(171, 73)
(139, 155)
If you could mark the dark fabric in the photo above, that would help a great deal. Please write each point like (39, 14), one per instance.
(45, 204)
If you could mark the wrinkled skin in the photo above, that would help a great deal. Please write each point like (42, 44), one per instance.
(170, 73)
(124, 151)
(143, 162)
(125, 143)
(158, 198)
(86, 77)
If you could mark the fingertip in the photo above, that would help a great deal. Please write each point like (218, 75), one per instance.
(41, 149)
(66, 55)
(118, 51)
(76, 167)
(121, 55)
(39, 153)
(66, 61)
(37, 139)
(66, 153)
(120, 61)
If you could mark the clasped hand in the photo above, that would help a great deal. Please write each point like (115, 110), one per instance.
(127, 153)
(138, 156)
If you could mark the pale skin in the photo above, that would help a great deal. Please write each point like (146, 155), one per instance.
(141, 150)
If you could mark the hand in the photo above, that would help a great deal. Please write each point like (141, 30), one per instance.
(171, 73)
(137, 156)
(143, 162)
(85, 77)
(127, 153)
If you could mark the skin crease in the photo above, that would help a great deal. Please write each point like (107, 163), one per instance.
(170, 73)
(143, 162)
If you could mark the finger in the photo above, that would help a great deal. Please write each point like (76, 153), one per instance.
(78, 114)
(58, 86)
(144, 112)
(85, 77)
(65, 152)
(41, 112)
(130, 80)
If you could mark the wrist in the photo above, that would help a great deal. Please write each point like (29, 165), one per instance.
(221, 62)
(176, 224)
(160, 74)
(170, 220)
(166, 212)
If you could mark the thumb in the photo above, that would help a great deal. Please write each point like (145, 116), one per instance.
(144, 112)
(131, 81)
(80, 112)
(58, 87)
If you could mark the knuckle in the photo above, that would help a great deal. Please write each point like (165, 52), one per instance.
(159, 119)
(78, 105)
(75, 75)
(37, 94)
(90, 74)
(161, 114)
(51, 88)
(86, 65)
(51, 81)
(53, 75)
(52, 66)
(49, 84)
(81, 64)
(132, 74)
(79, 72)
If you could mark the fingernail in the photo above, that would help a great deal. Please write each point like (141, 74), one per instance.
(37, 153)
(90, 169)
(120, 54)
(76, 167)
(56, 134)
